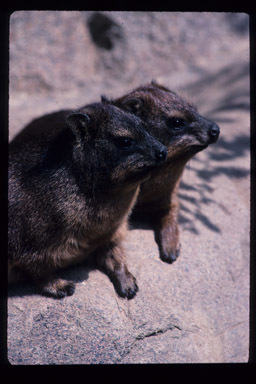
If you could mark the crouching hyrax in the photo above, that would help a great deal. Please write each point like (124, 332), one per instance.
(73, 181)
(176, 124)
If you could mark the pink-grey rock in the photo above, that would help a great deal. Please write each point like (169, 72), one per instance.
(195, 310)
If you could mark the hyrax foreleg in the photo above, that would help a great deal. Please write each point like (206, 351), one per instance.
(111, 260)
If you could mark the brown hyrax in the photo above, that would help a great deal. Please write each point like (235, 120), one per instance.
(176, 124)
(73, 180)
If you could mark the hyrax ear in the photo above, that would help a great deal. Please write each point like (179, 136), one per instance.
(133, 105)
(78, 122)
(104, 99)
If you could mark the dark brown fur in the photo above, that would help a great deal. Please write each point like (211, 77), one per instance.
(177, 124)
(73, 180)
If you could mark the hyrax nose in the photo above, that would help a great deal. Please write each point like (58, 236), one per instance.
(214, 132)
(161, 155)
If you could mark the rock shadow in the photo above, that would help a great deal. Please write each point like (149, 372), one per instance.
(75, 273)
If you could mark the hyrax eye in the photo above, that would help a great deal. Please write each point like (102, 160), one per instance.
(123, 142)
(175, 123)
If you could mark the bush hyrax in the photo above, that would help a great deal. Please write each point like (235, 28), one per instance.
(178, 125)
(73, 180)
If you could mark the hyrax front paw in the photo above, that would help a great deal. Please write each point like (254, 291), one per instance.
(169, 257)
(57, 288)
(126, 285)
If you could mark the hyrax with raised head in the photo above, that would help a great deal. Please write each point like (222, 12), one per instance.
(178, 125)
(73, 181)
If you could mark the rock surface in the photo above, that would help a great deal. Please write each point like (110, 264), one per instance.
(197, 309)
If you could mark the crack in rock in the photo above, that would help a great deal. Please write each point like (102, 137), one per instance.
(158, 332)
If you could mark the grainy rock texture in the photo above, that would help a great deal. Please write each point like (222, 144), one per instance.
(197, 309)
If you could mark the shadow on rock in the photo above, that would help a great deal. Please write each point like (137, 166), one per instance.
(227, 92)
(234, 148)
(77, 274)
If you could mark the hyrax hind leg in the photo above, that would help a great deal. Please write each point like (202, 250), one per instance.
(111, 260)
(43, 276)
(56, 287)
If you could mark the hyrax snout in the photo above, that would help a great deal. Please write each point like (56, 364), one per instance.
(73, 180)
(178, 125)
(203, 130)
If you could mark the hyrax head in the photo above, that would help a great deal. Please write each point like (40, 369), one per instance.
(170, 118)
(114, 143)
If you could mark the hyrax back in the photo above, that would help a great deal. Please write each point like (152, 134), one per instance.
(176, 124)
(73, 179)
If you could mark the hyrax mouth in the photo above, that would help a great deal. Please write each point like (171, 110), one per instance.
(144, 169)
(184, 149)
(135, 172)
(198, 148)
